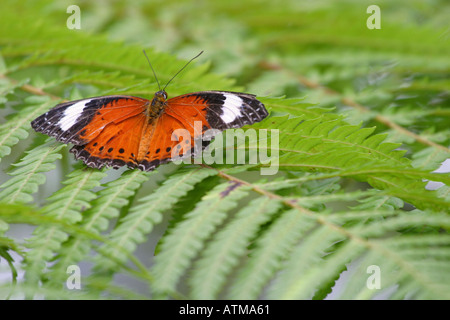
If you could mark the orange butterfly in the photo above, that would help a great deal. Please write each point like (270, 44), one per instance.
(125, 130)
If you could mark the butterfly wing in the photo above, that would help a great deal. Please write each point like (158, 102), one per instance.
(116, 146)
(104, 130)
(212, 109)
(164, 142)
(80, 121)
(217, 109)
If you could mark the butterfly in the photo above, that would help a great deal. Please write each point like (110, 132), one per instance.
(122, 130)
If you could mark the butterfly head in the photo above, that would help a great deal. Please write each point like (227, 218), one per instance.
(160, 96)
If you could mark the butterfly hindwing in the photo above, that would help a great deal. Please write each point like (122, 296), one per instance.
(166, 142)
(116, 146)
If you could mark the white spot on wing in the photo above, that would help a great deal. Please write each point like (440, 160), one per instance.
(231, 107)
(71, 115)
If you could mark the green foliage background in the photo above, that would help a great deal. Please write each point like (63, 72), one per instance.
(363, 118)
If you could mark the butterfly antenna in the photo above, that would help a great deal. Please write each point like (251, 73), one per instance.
(182, 69)
(154, 73)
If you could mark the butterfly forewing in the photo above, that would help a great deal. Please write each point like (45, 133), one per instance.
(218, 109)
(80, 121)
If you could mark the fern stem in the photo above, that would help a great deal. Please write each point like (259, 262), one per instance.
(371, 245)
(31, 89)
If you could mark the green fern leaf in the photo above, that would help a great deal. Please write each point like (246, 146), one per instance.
(229, 244)
(186, 239)
(104, 208)
(271, 249)
(139, 222)
(64, 205)
(17, 127)
(28, 175)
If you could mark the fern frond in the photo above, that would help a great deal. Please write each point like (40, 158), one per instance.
(8, 87)
(65, 205)
(110, 200)
(429, 158)
(297, 107)
(133, 228)
(229, 244)
(328, 146)
(271, 248)
(28, 174)
(186, 239)
(426, 259)
(320, 272)
(382, 252)
(18, 126)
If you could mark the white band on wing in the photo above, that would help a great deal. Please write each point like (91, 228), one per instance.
(71, 114)
(231, 108)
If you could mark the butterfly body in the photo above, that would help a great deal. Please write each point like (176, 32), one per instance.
(126, 130)
(157, 105)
